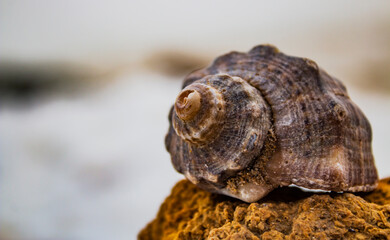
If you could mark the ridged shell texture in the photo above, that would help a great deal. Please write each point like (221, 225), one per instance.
(251, 122)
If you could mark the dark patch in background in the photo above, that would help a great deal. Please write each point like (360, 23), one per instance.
(22, 83)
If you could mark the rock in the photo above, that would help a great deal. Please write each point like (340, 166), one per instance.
(286, 213)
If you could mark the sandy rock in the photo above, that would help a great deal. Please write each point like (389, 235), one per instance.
(287, 213)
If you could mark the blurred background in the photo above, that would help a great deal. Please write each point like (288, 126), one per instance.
(86, 86)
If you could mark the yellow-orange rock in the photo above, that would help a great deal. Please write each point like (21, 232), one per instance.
(287, 213)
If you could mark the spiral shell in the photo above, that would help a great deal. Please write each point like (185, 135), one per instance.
(255, 121)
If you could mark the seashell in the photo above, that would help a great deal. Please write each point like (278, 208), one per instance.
(251, 122)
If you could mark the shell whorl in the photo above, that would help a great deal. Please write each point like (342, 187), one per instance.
(216, 135)
(227, 115)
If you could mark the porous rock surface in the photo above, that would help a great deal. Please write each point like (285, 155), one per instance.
(286, 213)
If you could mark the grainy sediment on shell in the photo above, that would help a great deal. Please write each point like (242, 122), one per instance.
(287, 213)
(323, 140)
(252, 174)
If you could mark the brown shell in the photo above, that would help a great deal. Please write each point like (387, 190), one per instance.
(267, 120)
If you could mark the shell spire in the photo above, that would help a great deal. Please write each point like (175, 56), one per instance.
(187, 104)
